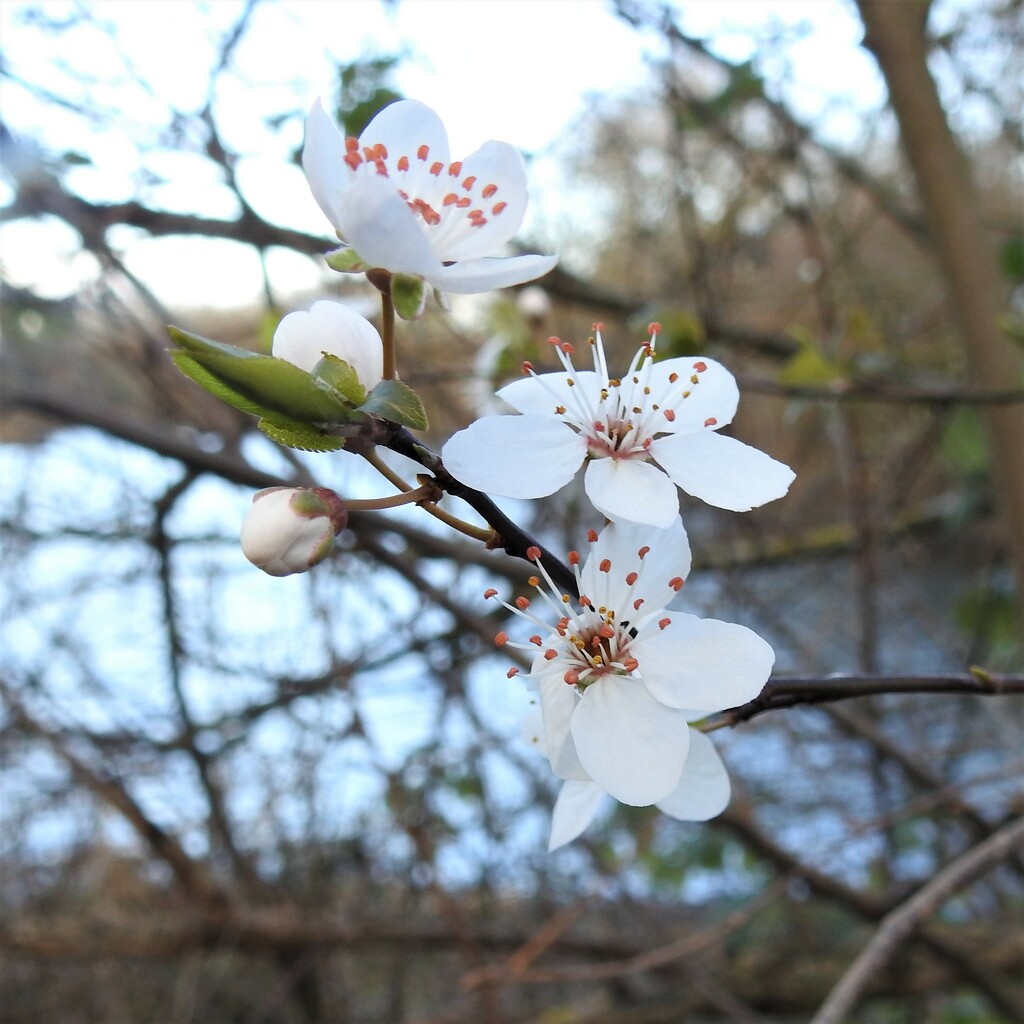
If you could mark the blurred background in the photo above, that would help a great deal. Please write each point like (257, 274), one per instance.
(232, 798)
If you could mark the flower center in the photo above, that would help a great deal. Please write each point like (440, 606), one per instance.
(623, 418)
(594, 640)
(436, 192)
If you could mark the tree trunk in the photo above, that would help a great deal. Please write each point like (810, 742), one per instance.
(895, 34)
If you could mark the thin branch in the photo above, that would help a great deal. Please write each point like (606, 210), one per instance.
(904, 920)
(791, 691)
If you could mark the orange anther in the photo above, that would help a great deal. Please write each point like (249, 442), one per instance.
(500, 639)
(662, 623)
(710, 421)
(455, 168)
(468, 183)
(512, 673)
(533, 553)
(422, 152)
(403, 163)
(676, 583)
(489, 191)
(522, 603)
(632, 578)
(490, 592)
(606, 565)
(498, 207)
(436, 167)
(700, 367)
(592, 536)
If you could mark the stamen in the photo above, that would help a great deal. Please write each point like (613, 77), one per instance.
(533, 553)
(500, 639)
(662, 623)
(710, 421)
(512, 673)
(422, 152)
(676, 583)
(490, 592)
(403, 163)
(489, 191)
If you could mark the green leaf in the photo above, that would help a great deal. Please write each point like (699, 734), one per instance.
(340, 376)
(260, 384)
(395, 401)
(345, 260)
(303, 436)
(216, 387)
(409, 295)
(1011, 258)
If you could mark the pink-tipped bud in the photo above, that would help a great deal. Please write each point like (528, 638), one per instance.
(290, 529)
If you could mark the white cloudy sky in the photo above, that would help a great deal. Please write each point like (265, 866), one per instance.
(519, 70)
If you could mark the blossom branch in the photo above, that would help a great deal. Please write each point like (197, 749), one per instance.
(792, 691)
(509, 537)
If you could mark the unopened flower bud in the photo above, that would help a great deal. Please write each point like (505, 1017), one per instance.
(291, 529)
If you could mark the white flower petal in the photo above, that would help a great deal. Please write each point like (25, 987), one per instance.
(574, 810)
(702, 665)
(402, 127)
(542, 393)
(703, 791)
(483, 275)
(323, 161)
(493, 164)
(668, 557)
(722, 471)
(714, 397)
(558, 702)
(631, 490)
(374, 219)
(302, 338)
(515, 456)
(633, 747)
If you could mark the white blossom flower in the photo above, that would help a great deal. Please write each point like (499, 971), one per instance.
(702, 793)
(331, 328)
(620, 678)
(290, 529)
(395, 196)
(641, 436)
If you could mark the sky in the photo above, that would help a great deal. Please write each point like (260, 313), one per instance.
(520, 70)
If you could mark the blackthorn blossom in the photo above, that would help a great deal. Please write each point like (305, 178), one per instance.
(620, 677)
(641, 435)
(395, 196)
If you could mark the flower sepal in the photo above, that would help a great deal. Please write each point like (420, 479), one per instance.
(341, 377)
(409, 295)
(345, 260)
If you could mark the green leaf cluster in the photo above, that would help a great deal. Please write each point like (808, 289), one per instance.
(295, 408)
